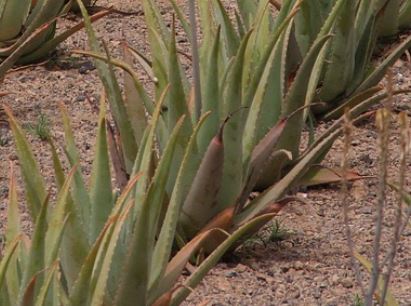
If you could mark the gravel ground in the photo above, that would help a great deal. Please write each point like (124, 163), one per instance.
(311, 263)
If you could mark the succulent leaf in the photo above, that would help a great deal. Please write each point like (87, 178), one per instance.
(35, 186)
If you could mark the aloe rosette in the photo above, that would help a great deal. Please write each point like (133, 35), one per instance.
(28, 30)
(350, 68)
(94, 246)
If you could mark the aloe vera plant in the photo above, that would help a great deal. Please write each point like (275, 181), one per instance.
(254, 96)
(350, 69)
(396, 17)
(27, 30)
(93, 247)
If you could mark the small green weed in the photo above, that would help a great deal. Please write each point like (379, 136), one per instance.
(278, 233)
(358, 301)
(41, 128)
(275, 232)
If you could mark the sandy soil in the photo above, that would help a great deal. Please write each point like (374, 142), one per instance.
(310, 266)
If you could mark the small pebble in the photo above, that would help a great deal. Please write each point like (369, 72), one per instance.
(355, 142)
(335, 279)
(231, 274)
(347, 283)
(80, 98)
(298, 265)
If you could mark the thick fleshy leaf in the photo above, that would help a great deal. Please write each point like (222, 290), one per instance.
(222, 221)
(365, 51)
(232, 41)
(57, 165)
(240, 25)
(182, 185)
(154, 18)
(164, 300)
(212, 260)
(182, 18)
(200, 202)
(266, 105)
(275, 192)
(81, 198)
(8, 254)
(283, 20)
(91, 274)
(134, 101)
(13, 232)
(176, 100)
(41, 299)
(101, 194)
(29, 293)
(377, 75)
(296, 96)
(51, 44)
(75, 241)
(337, 112)
(82, 284)
(13, 56)
(136, 272)
(357, 113)
(158, 36)
(156, 193)
(141, 58)
(260, 157)
(318, 70)
(128, 145)
(13, 218)
(405, 15)
(262, 25)
(220, 225)
(389, 18)
(290, 141)
(339, 72)
(179, 261)
(318, 175)
(113, 91)
(308, 23)
(148, 104)
(233, 161)
(13, 16)
(57, 221)
(247, 10)
(43, 12)
(61, 293)
(35, 186)
(365, 13)
(102, 275)
(117, 160)
(211, 94)
(144, 162)
(36, 260)
(35, 24)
